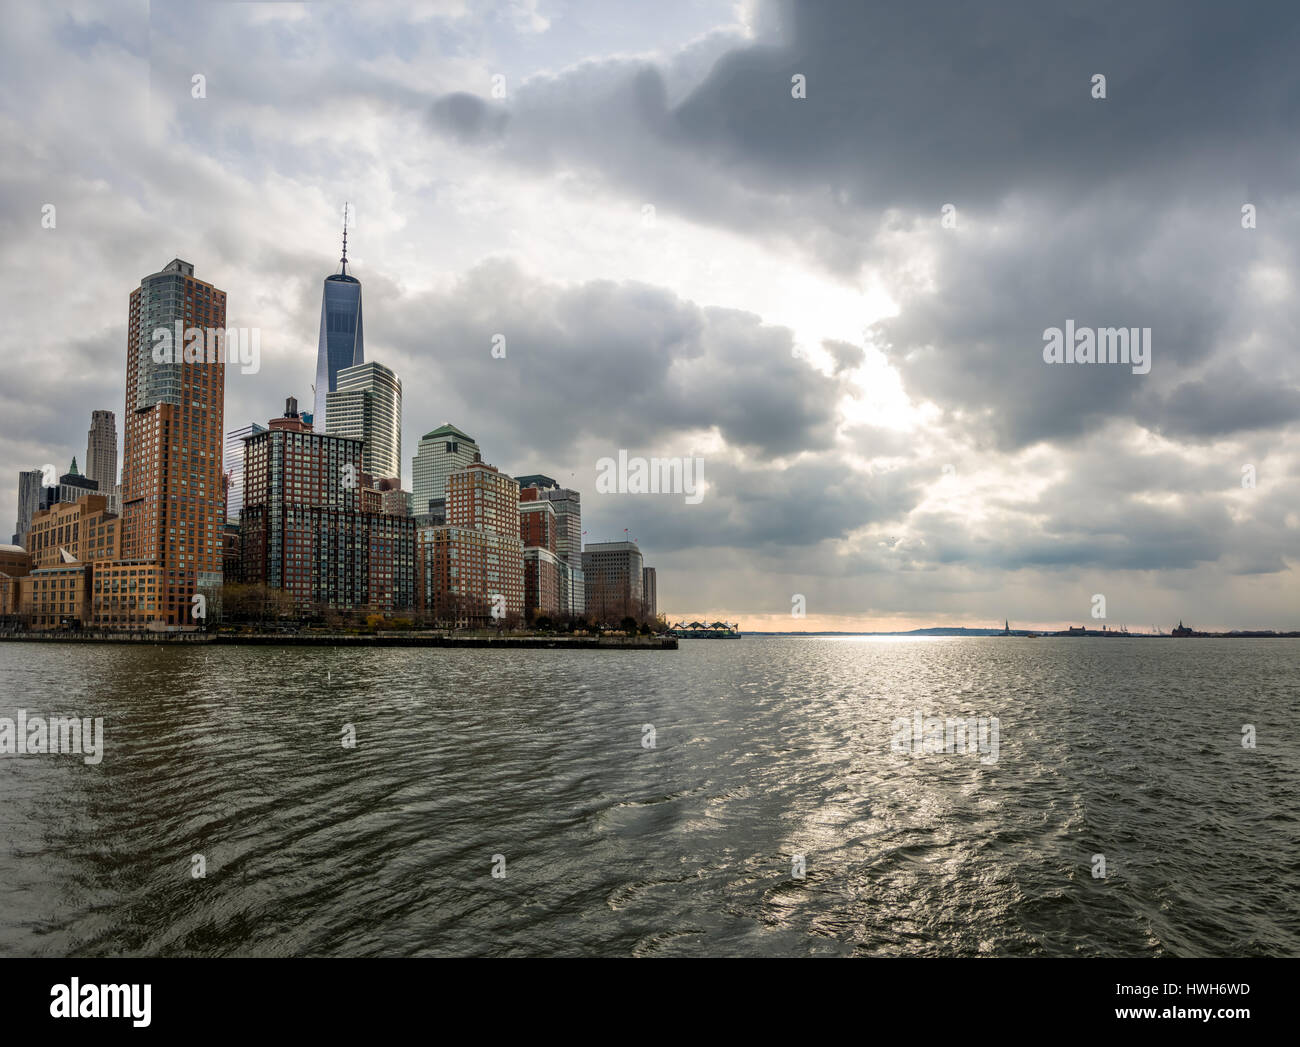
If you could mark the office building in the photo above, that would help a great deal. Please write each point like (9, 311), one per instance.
(441, 452)
(613, 581)
(234, 468)
(650, 592)
(71, 486)
(341, 343)
(101, 453)
(366, 405)
(29, 501)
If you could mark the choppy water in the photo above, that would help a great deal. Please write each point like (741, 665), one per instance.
(765, 749)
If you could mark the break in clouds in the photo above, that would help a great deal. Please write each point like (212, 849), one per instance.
(838, 301)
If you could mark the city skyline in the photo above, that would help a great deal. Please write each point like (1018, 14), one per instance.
(935, 473)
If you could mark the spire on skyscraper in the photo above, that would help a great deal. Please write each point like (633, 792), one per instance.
(341, 343)
(344, 260)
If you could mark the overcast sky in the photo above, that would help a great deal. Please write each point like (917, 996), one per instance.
(685, 259)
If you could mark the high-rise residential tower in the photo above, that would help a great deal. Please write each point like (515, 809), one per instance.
(568, 539)
(472, 568)
(101, 453)
(306, 527)
(341, 343)
(442, 452)
(172, 506)
(367, 405)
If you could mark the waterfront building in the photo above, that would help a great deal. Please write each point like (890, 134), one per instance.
(312, 526)
(473, 564)
(78, 578)
(613, 580)
(231, 551)
(541, 564)
(56, 597)
(441, 452)
(568, 538)
(341, 342)
(650, 592)
(14, 564)
(541, 583)
(172, 498)
(82, 531)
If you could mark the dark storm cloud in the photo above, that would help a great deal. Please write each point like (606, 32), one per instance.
(467, 117)
(1114, 211)
(1227, 400)
(624, 364)
(765, 510)
(910, 106)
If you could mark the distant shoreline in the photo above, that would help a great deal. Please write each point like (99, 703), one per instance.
(540, 643)
(1237, 634)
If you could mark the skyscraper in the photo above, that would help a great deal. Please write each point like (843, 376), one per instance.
(367, 405)
(101, 453)
(442, 452)
(568, 539)
(472, 569)
(341, 344)
(235, 468)
(172, 509)
(29, 501)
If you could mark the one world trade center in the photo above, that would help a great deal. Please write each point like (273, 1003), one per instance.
(341, 344)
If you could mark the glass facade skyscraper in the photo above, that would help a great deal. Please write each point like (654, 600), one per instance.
(367, 405)
(235, 468)
(441, 453)
(341, 343)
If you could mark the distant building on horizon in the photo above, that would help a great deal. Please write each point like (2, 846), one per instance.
(101, 455)
(650, 591)
(366, 405)
(341, 343)
(29, 501)
(71, 486)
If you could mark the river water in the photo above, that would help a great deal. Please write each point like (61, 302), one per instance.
(734, 797)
